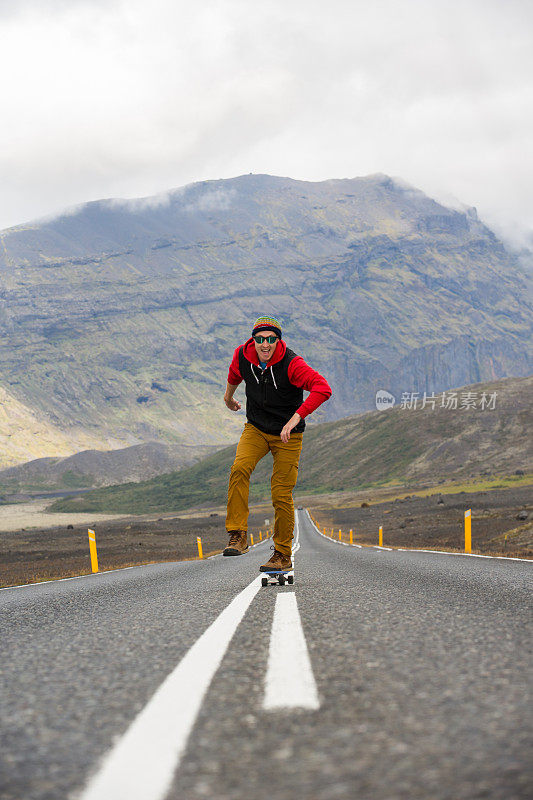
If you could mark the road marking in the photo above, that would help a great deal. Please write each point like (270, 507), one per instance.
(468, 555)
(141, 765)
(88, 575)
(289, 680)
(296, 545)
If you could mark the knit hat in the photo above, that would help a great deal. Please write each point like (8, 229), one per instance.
(267, 324)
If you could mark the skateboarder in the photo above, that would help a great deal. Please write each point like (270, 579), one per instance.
(275, 379)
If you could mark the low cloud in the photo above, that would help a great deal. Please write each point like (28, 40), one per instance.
(128, 99)
(212, 200)
(137, 205)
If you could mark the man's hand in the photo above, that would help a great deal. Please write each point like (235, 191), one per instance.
(232, 404)
(286, 431)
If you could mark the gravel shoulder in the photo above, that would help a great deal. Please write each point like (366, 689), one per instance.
(502, 521)
(30, 556)
(53, 549)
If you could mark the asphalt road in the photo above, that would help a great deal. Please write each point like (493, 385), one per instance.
(420, 662)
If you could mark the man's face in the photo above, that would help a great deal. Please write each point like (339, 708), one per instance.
(265, 351)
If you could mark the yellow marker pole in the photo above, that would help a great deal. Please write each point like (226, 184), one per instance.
(252, 538)
(260, 536)
(468, 531)
(92, 550)
(199, 543)
(332, 533)
(380, 536)
(340, 535)
(351, 536)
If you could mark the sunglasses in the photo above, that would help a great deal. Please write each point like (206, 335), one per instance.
(269, 339)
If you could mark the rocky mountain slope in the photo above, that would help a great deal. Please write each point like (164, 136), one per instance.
(117, 319)
(411, 446)
(27, 433)
(91, 468)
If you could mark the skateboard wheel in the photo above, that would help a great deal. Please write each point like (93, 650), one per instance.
(290, 579)
(264, 581)
(281, 580)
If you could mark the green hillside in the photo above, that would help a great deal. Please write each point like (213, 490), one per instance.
(398, 445)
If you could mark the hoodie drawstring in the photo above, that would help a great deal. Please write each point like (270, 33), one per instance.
(273, 378)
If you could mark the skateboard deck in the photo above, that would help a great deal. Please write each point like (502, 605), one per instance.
(280, 576)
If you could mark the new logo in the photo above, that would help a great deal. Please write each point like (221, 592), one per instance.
(384, 400)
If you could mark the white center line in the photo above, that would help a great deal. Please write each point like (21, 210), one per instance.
(142, 763)
(289, 680)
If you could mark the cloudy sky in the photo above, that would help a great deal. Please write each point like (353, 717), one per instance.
(126, 98)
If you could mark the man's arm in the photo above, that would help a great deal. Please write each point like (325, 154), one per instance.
(234, 378)
(302, 375)
(232, 404)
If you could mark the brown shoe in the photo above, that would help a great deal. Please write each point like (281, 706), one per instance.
(277, 561)
(237, 545)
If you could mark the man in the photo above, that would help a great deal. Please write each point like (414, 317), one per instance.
(275, 379)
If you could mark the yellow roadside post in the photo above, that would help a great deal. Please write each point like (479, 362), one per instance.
(92, 550)
(200, 551)
(340, 535)
(252, 538)
(351, 536)
(468, 531)
(381, 536)
(260, 536)
(332, 533)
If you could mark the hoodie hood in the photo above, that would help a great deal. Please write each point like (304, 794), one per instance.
(250, 352)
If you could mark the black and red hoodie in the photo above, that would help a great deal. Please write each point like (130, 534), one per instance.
(275, 393)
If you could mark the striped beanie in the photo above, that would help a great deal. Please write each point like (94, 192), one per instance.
(267, 324)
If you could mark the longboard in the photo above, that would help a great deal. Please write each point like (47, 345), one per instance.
(273, 576)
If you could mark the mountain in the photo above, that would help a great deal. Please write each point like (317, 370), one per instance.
(91, 468)
(25, 433)
(412, 446)
(118, 318)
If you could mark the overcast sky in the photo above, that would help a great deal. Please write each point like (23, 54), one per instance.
(112, 98)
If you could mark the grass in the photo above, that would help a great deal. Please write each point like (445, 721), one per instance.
(478, 485)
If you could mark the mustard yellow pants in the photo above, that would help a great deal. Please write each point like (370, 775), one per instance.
(253, 445)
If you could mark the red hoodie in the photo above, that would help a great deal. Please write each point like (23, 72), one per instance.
(300, 374)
